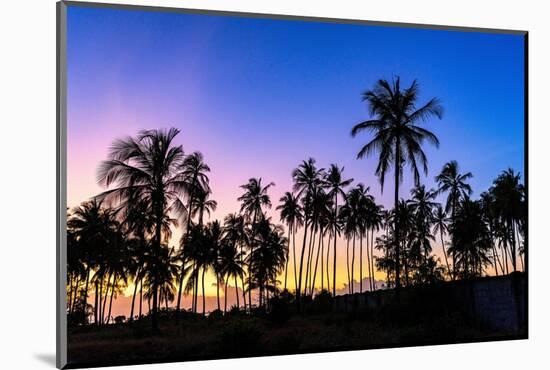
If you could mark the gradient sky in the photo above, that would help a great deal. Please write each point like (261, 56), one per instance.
(257, 96)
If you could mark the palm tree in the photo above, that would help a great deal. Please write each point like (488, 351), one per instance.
(376, 222)
(508, 194)
(237, 234)
(94, 230)
(231, 265)
(147, 168)
(398, 136)
(194, 175)
(335, 184)
(440, 226)
(454, 183)
(306, 178)
(268, 259)
(321, 207)
(423, 204)
(472, 239)
(291, 214)
(253, 200)
(351, 213)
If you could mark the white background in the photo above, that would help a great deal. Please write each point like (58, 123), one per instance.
(27, 173)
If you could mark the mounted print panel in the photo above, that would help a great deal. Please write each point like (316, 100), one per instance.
(236, 185)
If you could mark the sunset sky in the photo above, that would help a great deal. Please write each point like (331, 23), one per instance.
(257, 96)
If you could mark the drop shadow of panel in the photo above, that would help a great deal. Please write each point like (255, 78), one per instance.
(46, 358)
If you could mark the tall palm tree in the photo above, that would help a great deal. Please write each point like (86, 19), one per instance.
(292, 216)
(423, 204)
(336, 184)
(194, 174)
(509, 196)
(231, 265)
(148, 167)
(253, 200)
(268, 259)
(398, 135)
(440, 226)
(351, 212)
(94, 228)
(472, 240)
(307, 178)
(321, 210)
(451, 181)
(238, 235)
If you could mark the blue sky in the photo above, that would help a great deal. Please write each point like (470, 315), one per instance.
(257, 96)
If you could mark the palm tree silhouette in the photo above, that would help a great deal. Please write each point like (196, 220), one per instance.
(451, 181)
(509, 195)
(268, 259)
(95, 230)
(472, 241)
(231, 265)
(423, 204)
(238, 234)
(291, 214)
(335, 184)
(440, 226)
(398, 136)
(149, 168)
(253, 200)
(194, 175)
(306, 178)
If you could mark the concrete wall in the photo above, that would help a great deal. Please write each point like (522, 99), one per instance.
(497, 302)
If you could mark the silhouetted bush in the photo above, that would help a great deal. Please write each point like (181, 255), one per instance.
(322, 302)
(215, 315)
(120, 319)
(80, 315)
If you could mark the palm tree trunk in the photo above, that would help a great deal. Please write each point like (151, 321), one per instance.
(203, 294)
(347, 264)
(444, 250)
(250, 262)
(96, 303)
(513, 250)
(104, 304)
(361, 261)
(244, 292)
(189, 203)
(322, 262)
(218, 291)
(334, 249)
(309, 258)
(100, 298)
(299, 290)
(86, 287)
(368, 263)
(317, 261)
(237, 291)
(397, 166)
(287, 255)
(111, 300)
(373, 280)
(294, 257)
(196, 296)
(225, 296)
(328, 263)
(140, 297)
(134, 299)
(353, 263)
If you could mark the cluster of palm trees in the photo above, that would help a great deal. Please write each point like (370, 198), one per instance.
(121, 237)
